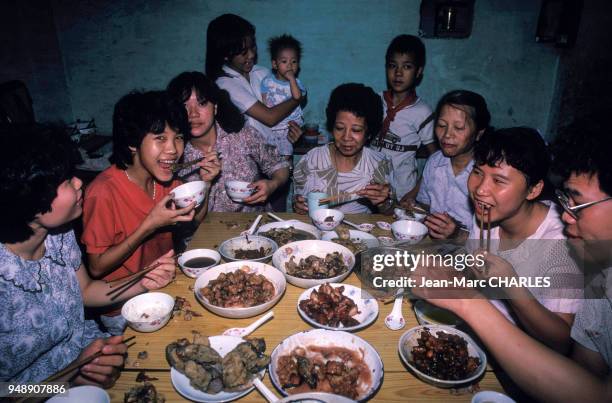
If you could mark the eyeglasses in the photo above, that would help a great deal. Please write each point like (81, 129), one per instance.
(564, 201)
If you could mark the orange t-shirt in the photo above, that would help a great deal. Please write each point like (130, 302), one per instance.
(113, 208)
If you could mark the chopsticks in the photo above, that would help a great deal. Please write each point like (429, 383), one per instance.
(178, 167)
(123, 284)
(82, 362)
(336, 198)
(482, 224)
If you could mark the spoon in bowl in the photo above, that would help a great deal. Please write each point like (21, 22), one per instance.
(245, 331)
(251, 229)
(395, 320)
(277, 218)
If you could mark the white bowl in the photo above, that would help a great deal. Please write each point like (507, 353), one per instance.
(303, 249)
(330, 338)
(428, 314)
(298, 225)
(269, 272)
(409, 340)
(238, 190)
(194, 272)
(408, 230)
(228, 247)
(321, 218)
(188, 193)
(369, 240)
(80, 394)
(489, 396)
(366, 304)
(316, 397)
(148, 312)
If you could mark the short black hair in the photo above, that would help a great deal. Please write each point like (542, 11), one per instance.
(407, 44)
(361, 101)
(228, 115)
(139, 113)
(279, 43)
(520, 147)
(38, 158)
(583, 147)
(477, 106)
(225, 38)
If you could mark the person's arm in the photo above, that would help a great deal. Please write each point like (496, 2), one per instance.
(265, 187)
(590, 360)
(271, 116)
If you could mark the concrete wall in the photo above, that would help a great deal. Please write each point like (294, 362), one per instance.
(110, 48)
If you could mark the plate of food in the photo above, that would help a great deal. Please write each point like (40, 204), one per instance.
(310, 263)
(330, 361)
(284, 232)
(356, 241)
(216, 368)
(240, 289)
(337, 307)
(248, 247)
(442, 355)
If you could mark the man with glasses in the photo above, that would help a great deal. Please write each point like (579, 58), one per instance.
(582, 157)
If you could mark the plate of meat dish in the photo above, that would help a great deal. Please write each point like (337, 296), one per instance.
(328, 361)
(337, 307)
(284, 232)
(240, 289)
(216, 368)
(442, 355)
(310, 263)
(356, 241)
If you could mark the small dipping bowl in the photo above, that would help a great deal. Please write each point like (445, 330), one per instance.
(148, 312)
(196, 261)
(490, 396)
(366, 227)
(327, 219)
(238, 190)
(429, 314)
(408, 231)
(188, 193)
(228, 247)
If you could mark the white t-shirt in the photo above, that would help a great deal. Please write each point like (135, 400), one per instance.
(245, 93)
(543, 253)
(403, 132)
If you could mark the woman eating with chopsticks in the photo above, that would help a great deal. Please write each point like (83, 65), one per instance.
(128, 214)
(43, 283)
(354, 176)
(522, 234)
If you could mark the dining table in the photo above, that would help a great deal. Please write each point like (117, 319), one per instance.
(398, 385)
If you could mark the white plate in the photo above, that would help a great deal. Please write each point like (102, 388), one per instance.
(367, 305)
(358, 236)
(291, 223)
(222, 345)
(79, 394)
(330, 338)
(315, 397)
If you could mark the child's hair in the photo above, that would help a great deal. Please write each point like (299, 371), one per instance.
(225, 38)
(520, 147)
(361, 101)
(38, 159)
(228, 115)
(279, 43)
(473, 104)
(138, 114)
(407, 44)
(583, 147)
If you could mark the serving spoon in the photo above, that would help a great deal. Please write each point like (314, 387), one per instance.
(277, 218)
(265, 391)
(395, 320)
(251, 229)
(361, 227)
(245, 331)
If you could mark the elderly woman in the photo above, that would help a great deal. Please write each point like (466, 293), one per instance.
(359, 176)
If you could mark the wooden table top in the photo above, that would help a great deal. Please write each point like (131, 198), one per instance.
(398, 384)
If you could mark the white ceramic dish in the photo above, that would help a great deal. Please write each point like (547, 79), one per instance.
(188, 193)
(238, 190)
(409, 340)
(274, 276)
(489, 396)
(386, 241)
(330, 338)
(366, 304)
(194, 272)
(303, 249)
(315, 397)
(298, 225)
(222, 345)
(408, 231)
(80, 394)
(383, 225)
(358, 236)
(428, 314)
(148, 312)
(327, 219)
(227, 248)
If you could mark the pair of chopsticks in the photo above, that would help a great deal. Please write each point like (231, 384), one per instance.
(178, 167)
(82, 362)
(123, 284)
(482, 240)
(337, 198)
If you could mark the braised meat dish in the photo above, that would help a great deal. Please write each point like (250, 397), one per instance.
(246, 254)
(145, 393)
(238, 289)
(314, 267)
(344, 239)
(210, 373)
(328, 306)
(444, 357)
(283, 236)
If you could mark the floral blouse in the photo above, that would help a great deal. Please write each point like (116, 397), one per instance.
(244, 156)
(42, 324)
